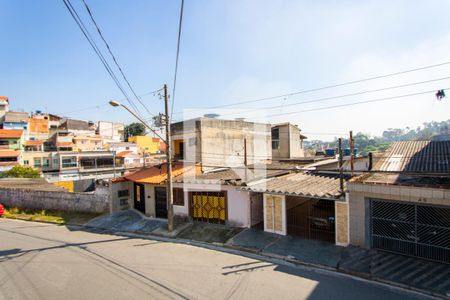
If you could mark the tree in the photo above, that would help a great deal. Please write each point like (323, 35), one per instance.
(134, 129)
(22, 172)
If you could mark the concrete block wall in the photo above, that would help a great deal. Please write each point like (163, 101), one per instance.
(54, 200)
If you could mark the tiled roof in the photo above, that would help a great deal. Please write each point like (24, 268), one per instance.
(123, 153)
(11, 133)
(4, 98)
(416, 157)
(157, 174)
(34, 143)
(9, 153)
(301, 184)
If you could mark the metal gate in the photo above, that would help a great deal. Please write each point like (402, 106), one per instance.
(411, 229)
(208, 207)
(311, 218)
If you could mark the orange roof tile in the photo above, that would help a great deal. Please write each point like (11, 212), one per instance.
(158, 174)
(123, 153)
(4, 98)
(11, 133)
(34, 143)
(9, 153)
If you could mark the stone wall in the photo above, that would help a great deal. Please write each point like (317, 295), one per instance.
(54, 200)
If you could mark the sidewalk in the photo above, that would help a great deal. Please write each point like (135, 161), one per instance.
(412, 273)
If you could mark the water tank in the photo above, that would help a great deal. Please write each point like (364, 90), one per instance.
(330, 152)
(347, 152)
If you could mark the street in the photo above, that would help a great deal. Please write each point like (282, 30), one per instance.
(45, 261)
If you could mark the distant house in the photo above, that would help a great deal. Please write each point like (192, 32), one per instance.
(403, 204)
(87, 143)
(146, 144)
(11, 139)
(9, 159)
(78, 127)
(38, 127)
(15, 120)
(111, 131)
(287, 141)
(122, 147)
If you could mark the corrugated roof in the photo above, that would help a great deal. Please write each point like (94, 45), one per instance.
(403, 180)
(158, 174)
(235, 176)
(301, 184)
(11, 133)
(416, 157)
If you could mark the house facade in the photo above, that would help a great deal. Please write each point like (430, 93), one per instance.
(287, 141)
(145, 143)
(15, 120)
(111, 131)
(221, 143)
(11, 139)
(4, 105)
(403, 205)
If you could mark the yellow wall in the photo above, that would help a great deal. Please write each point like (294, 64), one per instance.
(145, 143)
(68, 185)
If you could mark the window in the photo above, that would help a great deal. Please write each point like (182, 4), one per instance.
(37, 162)
(46, 162)
(55, 161)
(122, 193)
(275, 138)
(178, 197)
(123, 202)
(26, 162)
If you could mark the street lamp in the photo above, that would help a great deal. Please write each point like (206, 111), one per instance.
(168, 152)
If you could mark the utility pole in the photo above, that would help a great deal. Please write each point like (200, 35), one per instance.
(352, 156)
(169, 163)
(341, 175)
(245, 158)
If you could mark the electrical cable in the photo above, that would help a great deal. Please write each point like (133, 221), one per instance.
(94, 46)
(177, 56)
(330, 86)
(114, 58)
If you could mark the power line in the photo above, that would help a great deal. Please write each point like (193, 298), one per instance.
(356, 103)
(94, 46)
(177, 56)
(340, 96)
(114, 58)
(330, 86)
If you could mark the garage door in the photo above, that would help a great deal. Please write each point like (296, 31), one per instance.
(411, 229)
(311, 218)
(209, 206)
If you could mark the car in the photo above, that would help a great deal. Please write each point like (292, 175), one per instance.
(2, 209)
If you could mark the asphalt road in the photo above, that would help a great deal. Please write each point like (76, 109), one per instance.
(43, 261)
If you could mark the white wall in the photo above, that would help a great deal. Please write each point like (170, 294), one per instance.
(238, 202)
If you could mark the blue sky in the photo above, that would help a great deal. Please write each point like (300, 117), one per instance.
(232, 51)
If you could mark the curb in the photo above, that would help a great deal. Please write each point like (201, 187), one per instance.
(261, 255)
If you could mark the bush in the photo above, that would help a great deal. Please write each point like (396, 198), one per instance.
(22, 172)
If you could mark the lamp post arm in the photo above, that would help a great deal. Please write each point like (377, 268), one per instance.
(142, 121)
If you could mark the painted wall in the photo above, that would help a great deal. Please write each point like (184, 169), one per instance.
(145, 144)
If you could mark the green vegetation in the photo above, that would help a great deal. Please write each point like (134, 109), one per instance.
(134, 129)
(49, 216)
(21, 172)
(366, 143)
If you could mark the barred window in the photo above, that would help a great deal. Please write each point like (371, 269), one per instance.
(178, 197)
